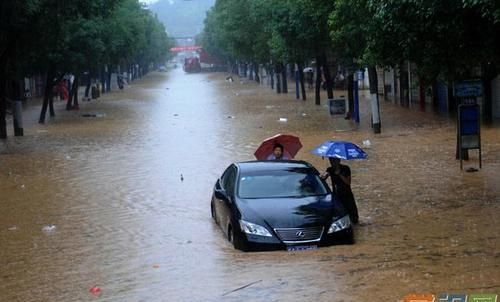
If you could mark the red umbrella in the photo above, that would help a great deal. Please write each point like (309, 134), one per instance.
(291, 145)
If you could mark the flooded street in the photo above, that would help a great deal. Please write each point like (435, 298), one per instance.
(99, 201)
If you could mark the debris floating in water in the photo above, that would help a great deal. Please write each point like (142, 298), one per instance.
(283, 119)
(367, 143)
(93, 115)
(49, 228)
(242, 287)
(95, 290)
(12, 228)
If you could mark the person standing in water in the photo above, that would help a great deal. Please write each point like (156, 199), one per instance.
(341, 184)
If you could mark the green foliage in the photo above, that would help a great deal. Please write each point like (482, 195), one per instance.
(233, 29)
(259, 30)
(446, 38)
(73, 36)
(15, 34)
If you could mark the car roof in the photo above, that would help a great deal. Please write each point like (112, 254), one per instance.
(271, 165)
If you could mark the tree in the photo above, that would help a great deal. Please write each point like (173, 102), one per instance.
(300, 32)
(15, 38)
(354, 33)
(72, 37)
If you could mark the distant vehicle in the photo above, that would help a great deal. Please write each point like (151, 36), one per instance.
(268, 205)
(192, 64)
(210, 63)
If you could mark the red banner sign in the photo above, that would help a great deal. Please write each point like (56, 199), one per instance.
(184, 48)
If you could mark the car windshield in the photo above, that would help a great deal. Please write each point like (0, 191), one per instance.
(276, 184)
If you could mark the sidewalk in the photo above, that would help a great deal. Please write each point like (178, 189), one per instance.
(33, 106)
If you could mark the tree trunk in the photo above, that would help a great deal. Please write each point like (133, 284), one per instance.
(73, 96)
(108, 80)
(76, 85)
(70, 97)
(3, 109)
(250, 76)
(403, 82)
(284, 78)
(350, 94)
(489, 73)
(452, 104)
(318, 82)
(301, 79)
(435, 98)
(234, 68)
(271, 73)
(278, 78)
(372, 76)
(328, 78)
(256, 71)
(17, 116)
(47, 94)
(52, 112)
(103, 78)
(278, 83)
(356, 100)
(422, 96)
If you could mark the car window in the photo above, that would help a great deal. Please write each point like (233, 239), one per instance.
(277, 184)
(227, 179)
(224, 176)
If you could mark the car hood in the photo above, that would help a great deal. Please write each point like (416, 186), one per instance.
(290, 212)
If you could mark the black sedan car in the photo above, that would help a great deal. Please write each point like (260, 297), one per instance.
(268, 205)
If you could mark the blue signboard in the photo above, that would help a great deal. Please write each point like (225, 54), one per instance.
(469, 89)
(469, 130)
(360, 75)
(469, 120)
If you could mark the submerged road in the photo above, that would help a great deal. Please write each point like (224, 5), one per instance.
(99, 201)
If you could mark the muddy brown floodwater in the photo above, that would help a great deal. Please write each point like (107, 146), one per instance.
(99, 201)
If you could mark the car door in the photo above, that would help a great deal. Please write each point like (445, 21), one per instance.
(225, 204)
(219, 198)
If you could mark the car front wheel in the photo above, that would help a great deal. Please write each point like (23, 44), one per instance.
(236, 239)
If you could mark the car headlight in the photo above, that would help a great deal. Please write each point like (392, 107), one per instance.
(340, 224)
(254, 229)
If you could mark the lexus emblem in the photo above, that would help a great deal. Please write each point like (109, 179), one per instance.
(300, 234)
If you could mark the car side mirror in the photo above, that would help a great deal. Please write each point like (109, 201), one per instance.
(220, 193)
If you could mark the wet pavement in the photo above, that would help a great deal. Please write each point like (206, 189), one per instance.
(98, 200)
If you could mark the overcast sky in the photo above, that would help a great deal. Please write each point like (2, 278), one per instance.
(149, 1)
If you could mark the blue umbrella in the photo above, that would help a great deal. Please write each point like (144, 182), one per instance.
(339, 149)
